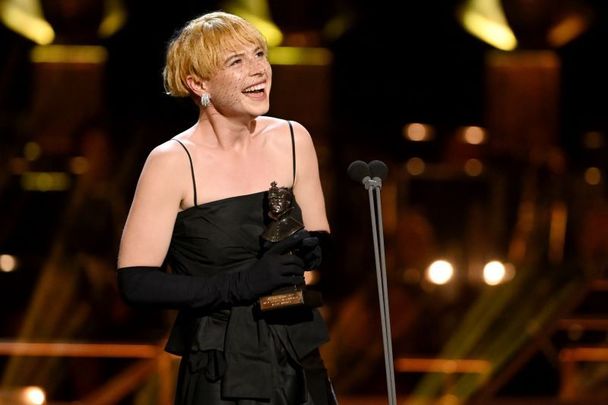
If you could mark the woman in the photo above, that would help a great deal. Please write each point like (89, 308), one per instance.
(200, 207)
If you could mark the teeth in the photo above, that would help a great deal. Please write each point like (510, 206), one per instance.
(257, 87)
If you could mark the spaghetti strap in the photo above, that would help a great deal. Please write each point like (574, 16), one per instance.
(191, 170)
(293, 152)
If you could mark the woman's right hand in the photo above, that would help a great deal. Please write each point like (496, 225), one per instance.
(276, 268)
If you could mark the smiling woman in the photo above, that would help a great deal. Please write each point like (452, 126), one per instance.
(199, 210)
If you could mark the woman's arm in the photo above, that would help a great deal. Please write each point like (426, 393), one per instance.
(307, 187)
(147, 232)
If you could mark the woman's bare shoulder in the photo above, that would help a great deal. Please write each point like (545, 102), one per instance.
(169, 154)
(277, 128)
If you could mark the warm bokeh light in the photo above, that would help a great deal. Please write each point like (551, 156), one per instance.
(114, 19)
(494, 272)
(417, 132)
(474, 135)
(290, 55)
(33, 396)
(593, 176)
(26, 18)
(69, 54)
(570, 27)
(258, 14)
(486, 20)
(415, 166)
(473, 167)
(440, 272)
(31, 151)
(45, 181)
(8, 263)
(79, 165)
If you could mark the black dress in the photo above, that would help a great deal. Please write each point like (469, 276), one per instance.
(236, 355)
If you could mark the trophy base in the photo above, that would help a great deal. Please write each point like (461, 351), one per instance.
(292, 298)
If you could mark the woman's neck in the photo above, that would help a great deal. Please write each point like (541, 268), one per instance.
(218, 131)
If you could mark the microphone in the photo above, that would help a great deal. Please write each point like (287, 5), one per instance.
(371, 175)
(359, 171)
(378, 169)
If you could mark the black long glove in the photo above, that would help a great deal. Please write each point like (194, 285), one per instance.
(314, 245)
(152, 286)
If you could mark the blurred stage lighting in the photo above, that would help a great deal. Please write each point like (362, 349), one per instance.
(486, 20)
(495, 272)
(23, 396)
(593, 176)
(473, 135)
(473, 167)
(415, 166)
(291, 55)
(8, 263)
(417, 132)
(440, 272)
(45, 181)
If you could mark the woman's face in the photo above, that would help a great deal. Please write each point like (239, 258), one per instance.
(242, 85)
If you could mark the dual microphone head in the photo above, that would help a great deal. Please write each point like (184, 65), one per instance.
(370, 174)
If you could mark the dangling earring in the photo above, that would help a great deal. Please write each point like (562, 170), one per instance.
(205, 100)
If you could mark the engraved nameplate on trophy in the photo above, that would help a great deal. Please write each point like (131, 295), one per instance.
(282, 226)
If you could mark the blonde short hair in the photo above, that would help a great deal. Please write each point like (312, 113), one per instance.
(198, 47)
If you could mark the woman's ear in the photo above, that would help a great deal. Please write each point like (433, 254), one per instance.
(196, 85)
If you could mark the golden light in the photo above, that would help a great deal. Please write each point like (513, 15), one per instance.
(69, 54)
(415, 166)
(114, 18)
(290, 55)
(8, 263)
(440, 272)
(474, 135)
(417, 132)
(485, 19)
(79, 165)
(489, 20)
(473, 167)
(45, 181)
(33, 396)
(494, 272)
(25, 17)
(258, 14)
(567, 29)
(31, 151)
(273, 34)
(593, 176)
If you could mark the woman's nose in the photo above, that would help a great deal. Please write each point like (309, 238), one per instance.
(257, 67)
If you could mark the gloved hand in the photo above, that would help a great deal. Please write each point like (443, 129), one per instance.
(310, 252)
(312, 248)
(276, 268)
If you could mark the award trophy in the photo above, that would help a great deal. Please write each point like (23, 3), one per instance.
(282, 226)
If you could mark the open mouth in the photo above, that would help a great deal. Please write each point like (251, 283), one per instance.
(255, 89)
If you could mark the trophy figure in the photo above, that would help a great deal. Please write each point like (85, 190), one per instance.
(282, 226)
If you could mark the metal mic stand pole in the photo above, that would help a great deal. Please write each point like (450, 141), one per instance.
(373, 186)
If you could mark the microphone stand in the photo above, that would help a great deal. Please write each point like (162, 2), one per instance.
(373, 187)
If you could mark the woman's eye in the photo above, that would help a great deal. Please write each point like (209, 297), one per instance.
(235, 62)
(260, 54)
